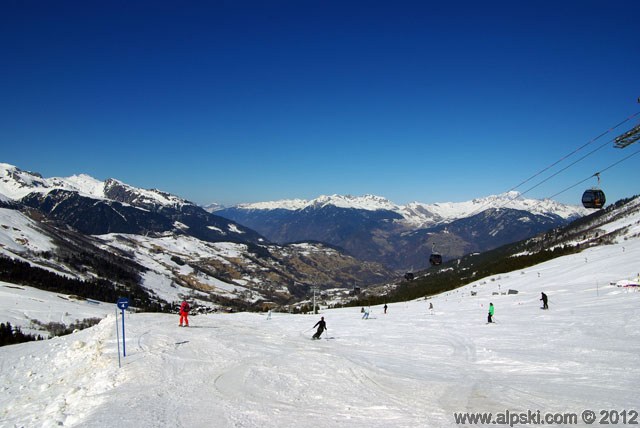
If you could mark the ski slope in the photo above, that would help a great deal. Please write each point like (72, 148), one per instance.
(407, 368)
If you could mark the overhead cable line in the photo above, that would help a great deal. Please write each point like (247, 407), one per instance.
(597, 173)
(593, 140)
(558, 172)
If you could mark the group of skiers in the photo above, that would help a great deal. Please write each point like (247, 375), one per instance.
(322, 325)
(543, 298)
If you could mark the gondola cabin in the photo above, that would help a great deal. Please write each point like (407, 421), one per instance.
(593, 198)
(435, 259)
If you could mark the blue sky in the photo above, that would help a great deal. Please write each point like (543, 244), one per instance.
(240, 101)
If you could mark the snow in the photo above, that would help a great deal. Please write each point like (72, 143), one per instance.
(84, 184)
(152, 196)
(417, 214)
(157, 255)
(406, 368)
(16, 183)
(233, 228)
(19, 234)
(22, 304)
(366, 202)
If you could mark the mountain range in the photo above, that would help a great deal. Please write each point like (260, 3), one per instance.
(403, 236)
(70, 232)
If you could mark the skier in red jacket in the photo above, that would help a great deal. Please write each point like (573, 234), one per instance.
(184, 313)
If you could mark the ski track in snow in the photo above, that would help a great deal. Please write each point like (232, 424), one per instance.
(406, 368)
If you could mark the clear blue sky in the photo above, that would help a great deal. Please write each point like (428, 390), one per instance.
(241, 101)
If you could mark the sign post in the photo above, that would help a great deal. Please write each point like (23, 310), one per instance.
(314, 288)
(123, 303)
(118, 339)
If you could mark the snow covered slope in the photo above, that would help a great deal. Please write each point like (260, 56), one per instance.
(16, 183)
(26, 307)
(406, 368)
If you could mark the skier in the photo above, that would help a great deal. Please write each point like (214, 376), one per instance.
(385, 308)
(491, 312)
(365, 316)
(544, 301)
(184, 313)
(431, 307)
(322, 326)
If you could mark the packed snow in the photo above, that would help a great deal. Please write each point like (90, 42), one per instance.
(405, 368)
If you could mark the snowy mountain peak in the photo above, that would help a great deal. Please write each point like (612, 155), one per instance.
(119, 191)
(365, 202)
(419, 214)
(16, 184)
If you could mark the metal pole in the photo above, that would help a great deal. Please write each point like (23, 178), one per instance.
(118, 337)
(124, 349)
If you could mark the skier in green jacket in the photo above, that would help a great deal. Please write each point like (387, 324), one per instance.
(491, 311)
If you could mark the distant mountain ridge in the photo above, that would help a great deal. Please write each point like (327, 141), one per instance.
(16, 183)
(370, 228)
(402, 237)
(107, 236)
(111, 206)
(417, 214)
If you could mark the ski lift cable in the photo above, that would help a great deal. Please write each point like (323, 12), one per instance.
(593, 140)
(596, 174)
(562, 170)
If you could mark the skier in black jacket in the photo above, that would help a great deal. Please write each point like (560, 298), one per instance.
(322, 326)
(544, 299)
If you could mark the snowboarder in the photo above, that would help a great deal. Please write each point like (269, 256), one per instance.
(184, 313)
(322, 326)
(544, 301)
(385, 308)
(491, 312)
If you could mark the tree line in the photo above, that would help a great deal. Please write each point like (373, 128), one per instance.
(10, 335)
(22, 273)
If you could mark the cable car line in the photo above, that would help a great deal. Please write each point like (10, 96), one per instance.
(562, 170)
(594, 175)
(481, 208)
(593, 140)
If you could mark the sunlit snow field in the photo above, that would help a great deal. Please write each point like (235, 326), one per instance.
(405, 368)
